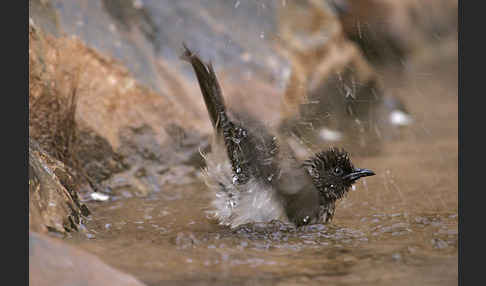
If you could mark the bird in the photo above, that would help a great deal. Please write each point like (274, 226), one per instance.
(254, 177)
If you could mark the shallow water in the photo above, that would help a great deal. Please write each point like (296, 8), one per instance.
(400, 226)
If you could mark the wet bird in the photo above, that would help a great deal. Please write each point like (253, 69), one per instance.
(254, 178)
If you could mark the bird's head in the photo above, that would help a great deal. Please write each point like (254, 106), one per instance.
(333, 174)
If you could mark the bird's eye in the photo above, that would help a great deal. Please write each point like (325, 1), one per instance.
(338, 171)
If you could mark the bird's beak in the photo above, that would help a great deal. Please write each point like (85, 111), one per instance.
(358, 173)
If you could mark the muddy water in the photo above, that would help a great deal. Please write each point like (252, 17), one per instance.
(399, 227)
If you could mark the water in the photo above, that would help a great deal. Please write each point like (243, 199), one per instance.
(399, 227)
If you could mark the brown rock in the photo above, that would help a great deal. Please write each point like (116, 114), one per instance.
(331, 83)
(109, 98)
(54, 263)
(53, 200)
(87, 111)
(388, 30)
(317, 49)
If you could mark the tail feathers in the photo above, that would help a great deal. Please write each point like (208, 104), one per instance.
(210, 89)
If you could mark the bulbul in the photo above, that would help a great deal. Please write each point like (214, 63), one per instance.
(255, 178)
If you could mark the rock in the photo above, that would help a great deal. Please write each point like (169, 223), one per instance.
(96, 156)
(53, 199)
(109, 98)
(254, 64)
(332, 86)
(389, 31)
(439, 243)
(44, 15)
(151, 165)
(54, 263)
(88, 112)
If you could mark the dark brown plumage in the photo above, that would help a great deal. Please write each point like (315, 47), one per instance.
(256, 179)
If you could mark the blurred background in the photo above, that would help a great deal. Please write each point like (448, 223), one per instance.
(117, 124)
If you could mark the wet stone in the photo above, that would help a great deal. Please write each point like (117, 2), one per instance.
(186, 240)
(51, 184)
(439, 243)
(395, 227)
(53, 262)
(396, 256)
(313, 228)
(422, 220)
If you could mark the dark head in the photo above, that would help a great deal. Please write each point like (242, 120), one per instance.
(333, 174)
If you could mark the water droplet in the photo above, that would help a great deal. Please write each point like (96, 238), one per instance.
(99, 196)
(138, 4)
(400, 118)
(330, 135)
(306, 219)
